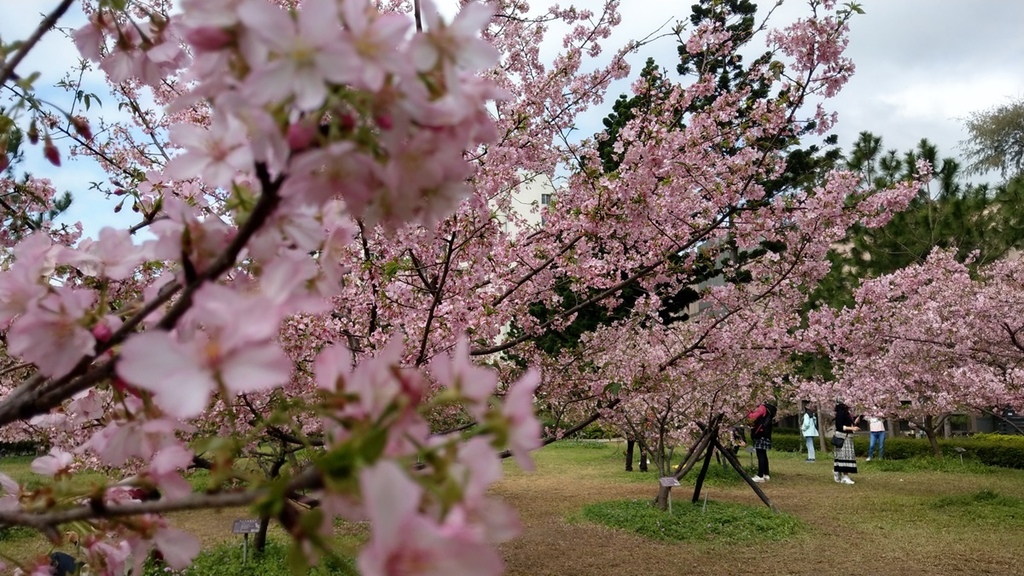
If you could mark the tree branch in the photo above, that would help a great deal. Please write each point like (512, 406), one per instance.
(7, 72)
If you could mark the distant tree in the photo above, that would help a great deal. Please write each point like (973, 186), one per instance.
(996, 140)
(26, 204)
(976, 221)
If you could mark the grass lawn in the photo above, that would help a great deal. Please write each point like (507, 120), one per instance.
(914, 517)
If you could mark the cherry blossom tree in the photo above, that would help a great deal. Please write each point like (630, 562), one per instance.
(326, 192)
(927, 340)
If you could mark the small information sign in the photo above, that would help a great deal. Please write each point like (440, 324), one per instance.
(668, 481)
(245, 527)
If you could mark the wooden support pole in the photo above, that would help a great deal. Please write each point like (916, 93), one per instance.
(684, 467)
(698, 448)
(713, 433)
(743, 473)
(686, 459)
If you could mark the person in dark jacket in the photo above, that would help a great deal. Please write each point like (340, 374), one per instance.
(62, 564)
(761, 420)
(845, 459)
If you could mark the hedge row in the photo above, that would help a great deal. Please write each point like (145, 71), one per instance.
(989, 449)
(20, 448)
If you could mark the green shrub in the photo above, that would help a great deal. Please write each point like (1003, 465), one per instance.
(786, 442)
(989, 449)
(12, 533)
(22, 448)
(226, 560)
(595, 432)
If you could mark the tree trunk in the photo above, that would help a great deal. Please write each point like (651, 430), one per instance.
(259, 543)
(662, 500)
(629, 454)
(931, 430)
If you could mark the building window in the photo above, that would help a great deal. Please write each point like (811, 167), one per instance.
(545, 199)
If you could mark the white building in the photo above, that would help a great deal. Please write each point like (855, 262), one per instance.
(530, 201)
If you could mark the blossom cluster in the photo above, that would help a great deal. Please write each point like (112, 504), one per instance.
(312, 119)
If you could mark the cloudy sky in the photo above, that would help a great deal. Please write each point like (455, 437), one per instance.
(922, 65)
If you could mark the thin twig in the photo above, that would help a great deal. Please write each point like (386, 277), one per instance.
(7, 72)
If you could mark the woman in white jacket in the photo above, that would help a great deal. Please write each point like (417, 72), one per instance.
(809, 428)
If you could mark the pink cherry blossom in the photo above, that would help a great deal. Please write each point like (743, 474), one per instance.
(50, 333)
(458, 42)
(214, 154)
(20, 287)
(474, 382)
(177, 547)
(525, 429)
(112, 557)
(55, 463)
(11, 490)
(375, 38)
(183, 375)
(112, 256)
(303, 54)
(405, 542)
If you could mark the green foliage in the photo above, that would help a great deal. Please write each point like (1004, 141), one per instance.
(226, 560)
(595, 432)
(723, 522)
(980, 451)
(787, 442)
(20, 448)
(991, 449)
(199, 479)
(12, 533)
(982, 506)
(975, 221)
(928, 463)
(996, 139)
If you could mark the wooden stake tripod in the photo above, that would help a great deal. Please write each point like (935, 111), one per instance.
(706, 446)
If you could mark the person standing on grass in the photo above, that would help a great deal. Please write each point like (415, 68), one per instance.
(845, 458)
(877, 427)
(809, 428)
(761, 433)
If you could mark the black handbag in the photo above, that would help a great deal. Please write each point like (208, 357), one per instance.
(838, 440)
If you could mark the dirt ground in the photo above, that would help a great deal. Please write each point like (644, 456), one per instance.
(853, 529)
(884, 524)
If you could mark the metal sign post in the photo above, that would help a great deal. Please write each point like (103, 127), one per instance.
(245, 527)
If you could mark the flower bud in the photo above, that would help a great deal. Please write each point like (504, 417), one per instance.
(300, 136)
(208, 38)
(50, 152)
(81, 127)
(102, 332)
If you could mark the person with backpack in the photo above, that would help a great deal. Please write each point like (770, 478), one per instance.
(761, 433)
(809, 428)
